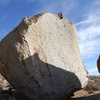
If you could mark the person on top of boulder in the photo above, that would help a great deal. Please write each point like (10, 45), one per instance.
(60, 15)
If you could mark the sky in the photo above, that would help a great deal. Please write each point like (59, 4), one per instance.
(85, 14)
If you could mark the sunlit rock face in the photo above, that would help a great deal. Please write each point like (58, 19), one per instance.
(41, 58)
(4, 85)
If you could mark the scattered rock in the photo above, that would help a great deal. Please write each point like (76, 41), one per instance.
(91, 92)
(41, 58)
(93, 83)
(4, 85)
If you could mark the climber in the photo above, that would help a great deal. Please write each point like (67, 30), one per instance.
(98, 64)
(60, 15)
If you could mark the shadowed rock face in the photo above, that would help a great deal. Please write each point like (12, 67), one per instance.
(41, 58)
(98, 64)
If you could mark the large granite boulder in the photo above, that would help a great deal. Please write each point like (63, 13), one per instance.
(41, 59)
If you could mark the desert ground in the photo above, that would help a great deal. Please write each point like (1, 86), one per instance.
(90, 92)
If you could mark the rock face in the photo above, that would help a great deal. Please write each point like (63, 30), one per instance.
(98, 64)
(41, 58)
(4, 85)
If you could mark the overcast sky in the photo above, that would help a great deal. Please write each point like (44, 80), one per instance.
(84, 13)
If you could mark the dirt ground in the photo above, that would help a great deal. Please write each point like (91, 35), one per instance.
(86, 95)
(90, 92)
(79, 95)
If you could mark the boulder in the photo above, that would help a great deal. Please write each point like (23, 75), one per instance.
(98, 64)
(41, 58)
